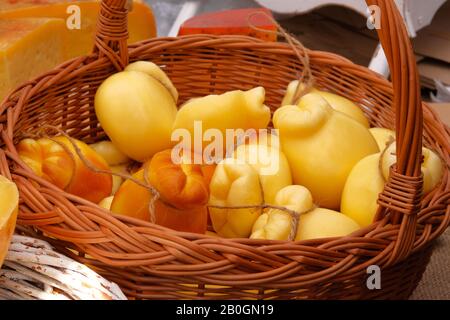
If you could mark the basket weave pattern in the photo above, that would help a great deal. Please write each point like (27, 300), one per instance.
(33, 270)
(150, 261)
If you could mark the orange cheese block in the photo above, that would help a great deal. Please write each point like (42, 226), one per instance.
(233, 22)
(141, 22)
(28, 47)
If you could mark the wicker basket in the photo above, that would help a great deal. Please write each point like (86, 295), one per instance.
(33, 270)
(149, 261)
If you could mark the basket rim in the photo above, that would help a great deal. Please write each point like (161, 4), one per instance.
(193, 41)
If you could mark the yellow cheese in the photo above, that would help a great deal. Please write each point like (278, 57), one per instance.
(28, 47)
(141, 22)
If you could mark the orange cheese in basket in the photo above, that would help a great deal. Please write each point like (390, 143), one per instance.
(28, 47)
(141, 22)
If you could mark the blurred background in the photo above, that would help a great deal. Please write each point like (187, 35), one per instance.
(338, 26)
(338, 29)
(166, 11)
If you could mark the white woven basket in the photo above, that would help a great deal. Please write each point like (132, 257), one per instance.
(33, 270)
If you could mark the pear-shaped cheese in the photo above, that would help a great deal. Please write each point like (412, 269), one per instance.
(276, 224)
(383, 137)
(137, 113)
(313, 223)
(337, 102)
(234, 184)
(271, 165)
(322, 146)
(231, 110)
(432, 166)
(156, 72)
(367, 179)
(324, 223)
(361, 190)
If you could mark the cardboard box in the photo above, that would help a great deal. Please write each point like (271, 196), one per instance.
(434, 40)
(430, 69)
(318, 32)
(443, 109)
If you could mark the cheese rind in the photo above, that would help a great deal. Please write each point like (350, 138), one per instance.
(28, 47)
(141, 22)
(254, 22)
(34, 35)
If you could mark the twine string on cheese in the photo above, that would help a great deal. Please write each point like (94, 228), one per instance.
(295, 215)
(44, 130)
(43, 133)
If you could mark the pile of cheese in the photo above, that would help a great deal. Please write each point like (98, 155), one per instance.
(36, 36)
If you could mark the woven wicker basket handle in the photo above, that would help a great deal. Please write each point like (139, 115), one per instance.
(407, 102)
(403, 192)
(112, 32)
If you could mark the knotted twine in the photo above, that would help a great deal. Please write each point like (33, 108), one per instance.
(306, 79)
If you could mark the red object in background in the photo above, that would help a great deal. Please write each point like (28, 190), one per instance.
(235, 22)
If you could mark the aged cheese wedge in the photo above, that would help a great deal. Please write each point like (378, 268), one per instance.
(236, 22)
(28, 47)
(141, 22)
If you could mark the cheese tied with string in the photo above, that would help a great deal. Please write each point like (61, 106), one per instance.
(276, 224)
(322, 145)
(237, 110)
(298, 218)
(382, 136)
(62, 160)
(235, 199)
(179, 198)
(368, 178)
(361, 190)
(432, 166)
(137, 112)
(337, 102)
